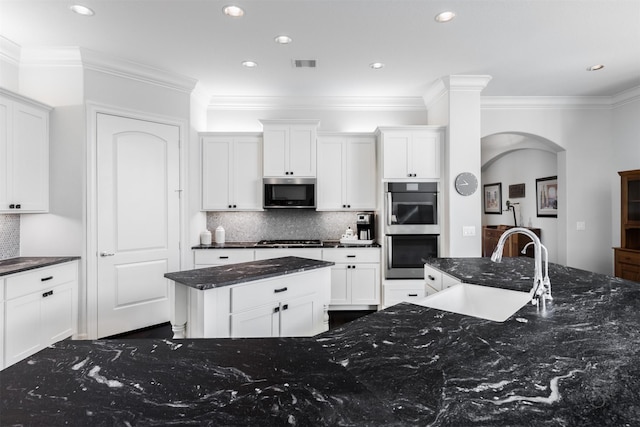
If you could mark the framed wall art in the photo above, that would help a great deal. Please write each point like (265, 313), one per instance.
(493, 198)
(547, 197)
(516, 191)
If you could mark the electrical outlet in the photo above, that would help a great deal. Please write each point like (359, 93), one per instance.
(468, 230)
(581, 226)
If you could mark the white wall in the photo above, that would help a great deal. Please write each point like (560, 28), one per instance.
(584, 172)
(626, 152)
(523, 167)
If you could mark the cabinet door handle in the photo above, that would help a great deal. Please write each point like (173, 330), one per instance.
(44, 279)
(412, 295)
(431, 277)
(277, 309)
(47, 294)
(277, 291)
(223, 257)
(285, 307)
(104, 254)
(12, 206)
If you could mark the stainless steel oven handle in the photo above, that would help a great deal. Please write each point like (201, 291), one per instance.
(389, 210)
(389, 253)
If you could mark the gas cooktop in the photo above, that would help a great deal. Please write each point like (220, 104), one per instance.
(290, 243)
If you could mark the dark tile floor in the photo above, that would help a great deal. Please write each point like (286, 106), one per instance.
(336, 319)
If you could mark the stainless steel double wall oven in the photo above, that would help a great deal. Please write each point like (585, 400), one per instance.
(412, 228)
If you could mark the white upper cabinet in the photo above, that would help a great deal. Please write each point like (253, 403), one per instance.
(24, 155)
(346, 172)
(231, 171)
(412, 152)
(289, 148)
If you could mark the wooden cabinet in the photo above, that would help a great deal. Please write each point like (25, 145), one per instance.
(514, 244)
(289, 148)
(411, 152)
(40, 309)
(346, 172)
(627, 256)
(231, 172)
(355, 278)
(24, 154)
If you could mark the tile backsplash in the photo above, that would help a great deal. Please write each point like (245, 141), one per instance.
(9, 236)
(281, 224)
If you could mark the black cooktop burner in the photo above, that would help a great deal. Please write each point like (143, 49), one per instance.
(290, 243)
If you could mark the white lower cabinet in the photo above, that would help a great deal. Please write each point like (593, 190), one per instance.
(311, 253)
(438, 280)
(355, 278)
(284, 306)
(40, 308)
(203, 258)
(397, 291)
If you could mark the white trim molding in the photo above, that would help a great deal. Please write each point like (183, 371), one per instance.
(444, 85)
(9, 51)
(545, 102)
(341, 103)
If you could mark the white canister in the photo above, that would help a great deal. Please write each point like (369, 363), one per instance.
(205, 237)
(219, 234)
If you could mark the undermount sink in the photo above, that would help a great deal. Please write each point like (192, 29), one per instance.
(484, 302)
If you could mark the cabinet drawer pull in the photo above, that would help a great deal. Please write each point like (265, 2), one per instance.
(285, 307)
(223, 257)
(47, 294)
(277, 309)
(412, 295)
(277, 291)
(431, 277)
(44, 279)
(351, 256)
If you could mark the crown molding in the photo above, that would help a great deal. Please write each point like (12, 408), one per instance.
(626, 97)
(9, 51)
(316, 103)
(135, 71)
(466, 82)
(545, 102)
(91, 60)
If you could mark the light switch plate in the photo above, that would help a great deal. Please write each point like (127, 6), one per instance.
(468, 230)
(581, 226)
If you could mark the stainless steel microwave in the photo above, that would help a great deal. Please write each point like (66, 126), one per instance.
(296, 193)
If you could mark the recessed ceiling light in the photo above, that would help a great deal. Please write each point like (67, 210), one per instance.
(443, 17)
(595, 67)
(81, 10)
(233, 11)
(283, 39)
(376, 65)
(249, 64)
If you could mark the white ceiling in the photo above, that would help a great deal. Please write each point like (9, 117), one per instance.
(530, 47)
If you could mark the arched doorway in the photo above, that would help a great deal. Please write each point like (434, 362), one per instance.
(513, 158)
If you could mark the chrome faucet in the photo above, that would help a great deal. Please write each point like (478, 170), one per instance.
(545, 280)
(541, 285)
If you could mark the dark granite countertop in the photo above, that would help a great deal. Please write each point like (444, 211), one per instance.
(233, 274)
(575, 364)
(252, 245)
(20, 264)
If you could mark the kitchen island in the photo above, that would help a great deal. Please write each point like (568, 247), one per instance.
(286, 296)
(575, 364)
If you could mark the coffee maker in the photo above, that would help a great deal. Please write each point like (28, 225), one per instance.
(365, 226)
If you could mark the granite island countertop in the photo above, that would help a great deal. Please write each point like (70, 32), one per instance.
(20, 264)
(576, 364)
(254, 245)
(233, 274)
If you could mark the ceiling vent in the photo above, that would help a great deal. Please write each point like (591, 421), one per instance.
(304, 63)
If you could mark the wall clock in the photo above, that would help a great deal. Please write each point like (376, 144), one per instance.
(466, 183)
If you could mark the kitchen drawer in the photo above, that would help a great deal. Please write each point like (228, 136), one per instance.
(347, 255)
(222, 256)
(40, 279)
(311, 253)
(396, 295)
(433, 277)
(244, 297)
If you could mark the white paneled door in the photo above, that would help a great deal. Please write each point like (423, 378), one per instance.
(138, 228)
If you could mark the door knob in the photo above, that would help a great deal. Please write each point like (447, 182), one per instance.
(103, 254)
